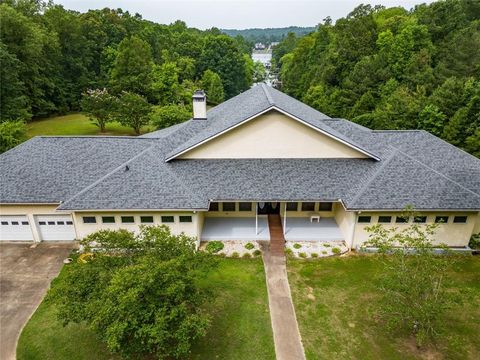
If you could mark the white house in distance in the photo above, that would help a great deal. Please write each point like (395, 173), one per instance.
(224, 174)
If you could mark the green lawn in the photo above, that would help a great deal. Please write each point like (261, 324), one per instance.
(336, 301)
(240, 328)
(75, 124)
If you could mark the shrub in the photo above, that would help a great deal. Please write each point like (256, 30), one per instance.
(214, 247)
(336, 250)
(288, 252)
(257, 253)
(247, 256)
(12, 133)
(326, 245)
(235, 255)
(249, 246)
(475, 241)
(314, 255)
(324, 252)
(302, 255)
(297, 246)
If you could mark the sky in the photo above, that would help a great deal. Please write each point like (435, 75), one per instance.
(235, 14)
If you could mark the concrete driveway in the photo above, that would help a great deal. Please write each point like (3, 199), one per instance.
(25, 275)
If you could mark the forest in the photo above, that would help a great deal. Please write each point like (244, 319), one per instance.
(56, 60)
(389, 68)
(268, 35)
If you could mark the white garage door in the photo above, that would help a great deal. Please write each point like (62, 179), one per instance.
(15, 228)
(56, 227)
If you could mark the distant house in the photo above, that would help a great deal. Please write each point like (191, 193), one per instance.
(259, 46)
(225, 173)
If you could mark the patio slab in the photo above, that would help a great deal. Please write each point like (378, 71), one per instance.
(223, 228)
(302, 229)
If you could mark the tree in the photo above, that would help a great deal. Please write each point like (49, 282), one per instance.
(140, 294)
(100, 105)
(413, 277)
(133, 67)
(165, 116)
(259, 72)
(133, 110)
(12, 133)
(432, 120)
(165, 86)
(212, 84)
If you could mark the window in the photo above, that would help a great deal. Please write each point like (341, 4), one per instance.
(420, 219)
(60, 222)
(24, 222)
(168, 219)
(364, 219)
(228, 206)
(185, 219)
(108, 219)
(14, 222)
(44, 223)
(4, 222)
(51, 222)
(213, 206)
(308, 206)
(128, 219)
(385, 219)
(325, 206)
(146, 219)
(293, 206)
(88, 220)
(69, 222)
(402, 220)
(460, 219)
(441, 219)
(245, 206)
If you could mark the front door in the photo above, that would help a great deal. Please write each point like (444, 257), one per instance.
(266, 208)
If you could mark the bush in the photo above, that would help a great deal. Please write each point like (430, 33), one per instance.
(475, 241)
(246, 256)
(288, 252)
(302, 255)
(214, 247)
(324, 252)
(336, 250)
(326, 245)
(249, 246)
(116, 292)
(297, 246)
(12, 133)
(257, 253)
(235, 255)
(314, 255)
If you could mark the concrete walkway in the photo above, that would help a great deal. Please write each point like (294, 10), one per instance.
(25, 275)
(286, 336)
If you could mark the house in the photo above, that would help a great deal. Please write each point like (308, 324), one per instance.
(225, 173)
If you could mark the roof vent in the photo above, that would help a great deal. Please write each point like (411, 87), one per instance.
(127, 167)
(199, 105)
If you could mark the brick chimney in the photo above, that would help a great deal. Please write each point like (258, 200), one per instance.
(199, 105)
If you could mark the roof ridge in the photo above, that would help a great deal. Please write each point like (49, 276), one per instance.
(88, 187)
(374, 176)
(92, 136)
(267, 94)
(438, 173)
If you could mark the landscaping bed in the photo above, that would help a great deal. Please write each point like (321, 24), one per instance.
(315, 249)
(232, 248)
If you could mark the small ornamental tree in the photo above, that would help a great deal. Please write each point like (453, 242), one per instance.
(99, 105)
(133, 110)
(413, 277)
(139, 293)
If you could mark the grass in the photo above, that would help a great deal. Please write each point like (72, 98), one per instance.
(240, 325)
(76, 124)
(336, 300)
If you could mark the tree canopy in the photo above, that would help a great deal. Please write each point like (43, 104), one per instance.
(388, 68)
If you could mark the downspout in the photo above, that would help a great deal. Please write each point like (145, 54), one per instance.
(284, 218)
(256, 218)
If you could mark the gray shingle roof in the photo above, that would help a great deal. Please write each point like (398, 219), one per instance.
(86, 173)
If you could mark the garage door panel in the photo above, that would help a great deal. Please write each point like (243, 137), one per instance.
(15, 228)
(56, 227)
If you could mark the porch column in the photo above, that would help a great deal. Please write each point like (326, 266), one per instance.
(256, 218)
(284, 219)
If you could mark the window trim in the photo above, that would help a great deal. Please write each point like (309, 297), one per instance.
(109, 222)
(384, 220)
(456, 217)
(184, 217)
(94, 218)
(162, 219)
(364, 217)
(122, 219)
(147, 222)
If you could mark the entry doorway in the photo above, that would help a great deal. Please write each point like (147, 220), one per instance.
(268, 208)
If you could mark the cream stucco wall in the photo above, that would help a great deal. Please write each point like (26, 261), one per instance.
(346, 222)
(190, 229)
(454, 235)
(272, 135)
(30, 210)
